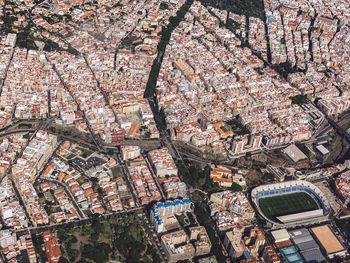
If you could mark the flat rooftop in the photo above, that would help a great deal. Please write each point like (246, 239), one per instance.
(294, 153)
(327, 239)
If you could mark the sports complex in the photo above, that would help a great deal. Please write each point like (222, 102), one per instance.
(290, 203)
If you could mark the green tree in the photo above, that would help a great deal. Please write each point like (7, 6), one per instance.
(63, 260)
(98, 254)
(299, 99)
(268, 176)
(236, 187)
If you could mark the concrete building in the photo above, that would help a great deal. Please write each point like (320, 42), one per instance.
(130, 152)
(294, 153)
(180, 246)
(162, 162)
(11, 40)
(270, 255)
(233, 243)
(328, 241)
(7, 238)
(168, 208)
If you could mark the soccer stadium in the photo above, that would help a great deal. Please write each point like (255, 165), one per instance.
(290, 203)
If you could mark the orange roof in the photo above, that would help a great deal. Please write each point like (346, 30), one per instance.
(133, 129)
(58, 195)
(61, 175)
(66, 144)
(112, 197)
(88, 192)
(49, 169)
(222, 180)
(53, 251)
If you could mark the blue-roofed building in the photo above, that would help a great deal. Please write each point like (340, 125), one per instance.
(313, 256)
(291, 255)
(166, 209)
(246, 255)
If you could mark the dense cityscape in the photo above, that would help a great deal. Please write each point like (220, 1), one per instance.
(174, 131)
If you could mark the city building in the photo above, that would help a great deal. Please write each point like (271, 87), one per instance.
(130, 152)
(162, 162)
(181, 246)
(161, 211)
(52, 248)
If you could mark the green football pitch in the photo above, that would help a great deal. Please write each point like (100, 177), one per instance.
(275, 206)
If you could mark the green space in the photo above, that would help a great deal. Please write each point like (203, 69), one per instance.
(8, 23)
(205, 220)
(85, 152)
(117, 171)
(237, 127)
(185, 220)
(71, 131)
(273, 207)
(120, 239)
(344, 225)
(299, 99)
(27, 136)
(197, 177)
(284, 69)
(181, 219)
(158, 115)
(164, 6)
(268, 177)
(51, 46)
(25, 126)
(188, 150)
(191, 219)
(25, 37)
(236, 187)
(165, 34)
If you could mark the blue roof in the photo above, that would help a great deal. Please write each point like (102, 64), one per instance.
(40, 157)
(174, 203)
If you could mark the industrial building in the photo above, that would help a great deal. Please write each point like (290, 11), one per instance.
(307, 246)
(280, 235)
(294, 153)
(329, 243)
(291, 255)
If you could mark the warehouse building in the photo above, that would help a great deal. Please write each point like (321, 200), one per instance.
(328, 242)
(280, 235)
(323, 150)
(313, 256)
(300, 236)
(307, 246)
(291, 255)
(294, 153)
